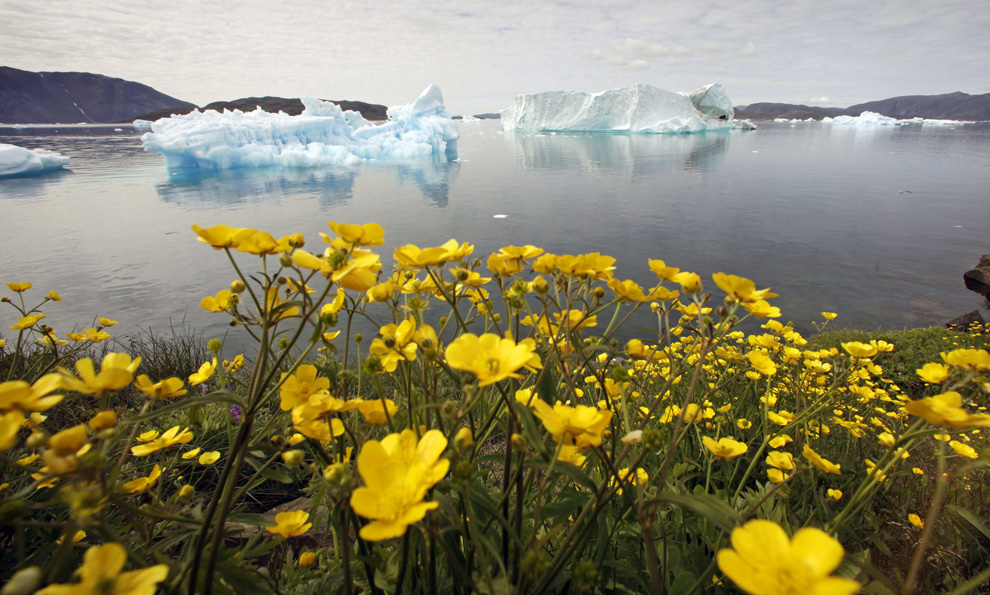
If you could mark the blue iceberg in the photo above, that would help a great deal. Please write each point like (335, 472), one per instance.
(17, 161)
(322, 135)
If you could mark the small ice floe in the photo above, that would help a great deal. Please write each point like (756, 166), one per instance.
(500, 216)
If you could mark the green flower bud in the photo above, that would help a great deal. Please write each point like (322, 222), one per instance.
(237, 286)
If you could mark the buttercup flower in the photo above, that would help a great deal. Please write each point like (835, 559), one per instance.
(299, 386)
(582, 426)
(221, 236)
(397, 472)
(724, 448)
(116, 372)
(164, 389)
(821, 463)
(763, 561)
(204, 373)
(101, 573)
(369, 234)
(170, 438)
(933, 373)
(141, 484)
(290, 524)
(946, 410)
(19, 287)
(490, 357)
(18, 394)
(972, 359)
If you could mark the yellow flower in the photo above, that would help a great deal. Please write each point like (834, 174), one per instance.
(235, 364)
(661, 270)
(725, 448)
(490, 357)
(297, 388)
(221, 236)
(116, 372)
(220, 303)
(972, 359)
(141, 484)
(780, 460)
(397, 473)
(204, 373)
(744, 424)
(637, 478)
(946, 410)
(10, 424)
(54, 296)
(581, 426)
(916, 521)
(741, 288)
(373, 411)
(964, 450)
(821, 463)
(165, 389)
(859, 350)
(102, 421)
(76, 537)
(19, 287)
(933, 373)
(829, 315)
(417, 258)
(106, 321)
(764, 561)
(27, 321)
(18, 394)
(834, 494)
(369, 234)
(262, 243)
(290, 524)
(208, 458)
(761, 362)
(101, 573)
(170, 438)
(689, 282)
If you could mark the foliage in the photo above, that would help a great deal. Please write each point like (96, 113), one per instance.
(515, 446)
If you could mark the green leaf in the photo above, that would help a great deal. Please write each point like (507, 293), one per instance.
(710, 507)
(221, 396)
(682, 583)
(969, 522)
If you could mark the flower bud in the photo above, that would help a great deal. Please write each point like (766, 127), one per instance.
(293, 458)
(285, 260)
(24, 582)
(358, 337)
(37, 439)
(463, 472)
(464, 439)
(307, 559)
(102, 421)
(518, 441)
(237, 286)
(214, 345)
(598, 292)
(186, 492)
(297, 240)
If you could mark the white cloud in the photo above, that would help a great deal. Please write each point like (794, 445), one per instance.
(749, 49)
(641, 49)
(822, 99)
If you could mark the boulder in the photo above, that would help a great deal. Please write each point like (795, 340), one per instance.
(978, 279)
(964, 322)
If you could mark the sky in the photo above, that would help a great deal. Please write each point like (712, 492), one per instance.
(484, 52)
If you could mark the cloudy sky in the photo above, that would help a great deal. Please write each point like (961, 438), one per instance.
(483, 52)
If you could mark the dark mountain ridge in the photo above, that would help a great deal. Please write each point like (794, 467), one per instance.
(70, 97)
(291, 106)
(948, 106)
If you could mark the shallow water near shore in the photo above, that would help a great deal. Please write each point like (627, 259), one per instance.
(875, 224)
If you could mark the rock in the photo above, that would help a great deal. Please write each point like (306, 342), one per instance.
(978, 279)
(964, 322)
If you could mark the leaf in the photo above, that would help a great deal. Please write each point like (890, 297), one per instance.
(713, 509)
(571, 471)
(208, 399)
(967, 520)
(682, 583)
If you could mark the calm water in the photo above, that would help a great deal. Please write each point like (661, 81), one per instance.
(878, 225)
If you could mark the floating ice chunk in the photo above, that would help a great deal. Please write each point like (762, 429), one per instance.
(640, 108)
(18, 161)
(142, 124)
(864, 119)
(323, 134)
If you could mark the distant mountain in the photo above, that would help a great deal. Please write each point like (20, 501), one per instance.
(70, 97)
(293, 107)
(950, 106)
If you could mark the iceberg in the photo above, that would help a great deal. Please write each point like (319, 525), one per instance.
(18, 161)
(322, 135)
(641, 108)
(864, 119)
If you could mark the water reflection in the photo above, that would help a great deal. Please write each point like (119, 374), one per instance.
(634, 154)
(331, 186)
(433, 180)
(31, 186)
(239, 186)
